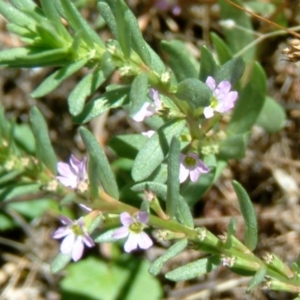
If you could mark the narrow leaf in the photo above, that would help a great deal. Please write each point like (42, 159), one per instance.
(174, 250)
(179, 59)
(155, 150)
(159, 189)
(173, 177)
(257, 279)
(224, 53)
(83, 89)
(231, 71)
(138, 93)
(249, 103)
(60, 261)
(209, 66)
(194, 269)
(183, 213)
(272, 117)
(195, 92)
(108, 16)
(99, 168)
(56, 78)
(44, 149)
(98, 106)
(249, 216)
(78, 23)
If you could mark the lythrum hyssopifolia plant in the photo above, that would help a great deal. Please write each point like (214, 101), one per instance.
(199, 115)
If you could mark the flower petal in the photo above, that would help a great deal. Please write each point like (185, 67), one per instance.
(183, 173)
(65, 220)
(208, 112)
(211, 83)
(131, 242)
(126, 219)
(144, 241)
(77, 250)
(223, 87)
(70, 181)
(61, 232)
(67, 243)
(120, 233)
(143, 217)
(88, 241)
(194, 175)
(146, 110)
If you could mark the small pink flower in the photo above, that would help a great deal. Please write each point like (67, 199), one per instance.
(165, 5)
(73, 174)
(133, 229)
(149, 109)
(75, 237)
(222, 100)
(191, 165)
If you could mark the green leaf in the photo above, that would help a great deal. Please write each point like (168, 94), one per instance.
(173, 177)
(233, 147)
(272, 117)
(124, 279)
(159, 189)
(195, 92)
(24, 4)
(138, 93)
(60, 261)
(249, 103)
(15, 16)
(257, 279)
(194, 269)
(241, 36)
(56, 78)
(52, 15)
(138, 43)
(127, 145)
(79, 24)
(108, 16)
(249, 216)
(105, 237)
(174, 250)
(230, 232)
(24, 138)
(99, 169)
(98, 106)
(83, 89)
(231, 70)
(32, 57)
(183, 213)
(179, 59)
(155, 149)
(156, 63)
(223, 52)
(44, 149)
(209, 66)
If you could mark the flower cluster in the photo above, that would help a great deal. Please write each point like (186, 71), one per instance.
(133, 229)
(222, 100)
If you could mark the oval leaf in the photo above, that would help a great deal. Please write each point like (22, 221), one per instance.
(155, 150)
(249, 216)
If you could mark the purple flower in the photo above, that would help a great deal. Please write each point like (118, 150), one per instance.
(190, 164)
(73, 174)
(133, 229)
(222, 100)
(165, 5)
(149, 109)
(75, 237)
